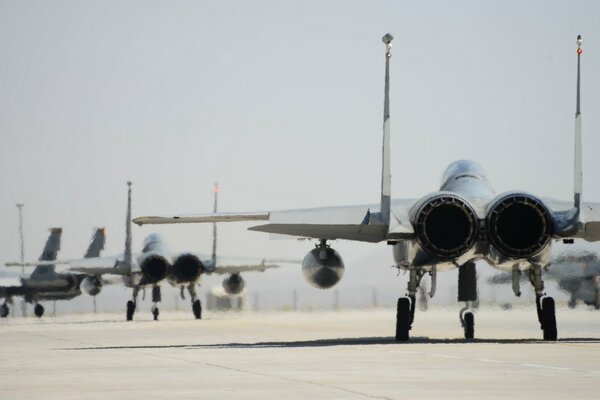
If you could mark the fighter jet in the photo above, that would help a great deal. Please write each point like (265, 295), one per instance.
(156, 264)
(577, 273)
(45, 283)
(460, 222)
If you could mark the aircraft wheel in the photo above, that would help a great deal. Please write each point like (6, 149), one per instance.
(549, 319)
(403, 316)
(469, 325)
(197, 309)
(155, 313)
(38, 310)
(4, 311)
(130, 310)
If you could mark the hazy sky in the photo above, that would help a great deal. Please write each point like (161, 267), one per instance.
(281, 102)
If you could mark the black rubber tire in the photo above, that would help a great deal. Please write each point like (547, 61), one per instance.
(403, 319)
(549, 319)
(155, 313)
(38, 310)
(197, 309)
(4, 311)
(469, 325)
(130, 310)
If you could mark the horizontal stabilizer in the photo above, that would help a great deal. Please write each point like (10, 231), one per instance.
(203, 218)
(101, 270)
(350, 223)
(237, 269)
(590, 215)
(363, 233)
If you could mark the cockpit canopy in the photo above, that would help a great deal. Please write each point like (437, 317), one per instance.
(463, 168)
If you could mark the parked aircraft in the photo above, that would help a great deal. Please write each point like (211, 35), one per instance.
(463, 221)
(156, 263)
(577, 273)
(45, 283)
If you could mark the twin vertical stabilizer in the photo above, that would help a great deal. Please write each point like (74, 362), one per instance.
(128, 257)
(386, 177)
(578, 177)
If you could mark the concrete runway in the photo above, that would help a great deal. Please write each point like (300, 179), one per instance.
(347, 354)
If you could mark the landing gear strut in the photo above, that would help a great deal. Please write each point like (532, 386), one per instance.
(467, 292)
(544, 305)
(156, 297)
(196, 305)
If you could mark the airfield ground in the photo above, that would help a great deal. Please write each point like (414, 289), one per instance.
(345, 354)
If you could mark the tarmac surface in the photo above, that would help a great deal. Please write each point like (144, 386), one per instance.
(345, 354)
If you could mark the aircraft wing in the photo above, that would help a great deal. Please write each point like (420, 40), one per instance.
(360, 223)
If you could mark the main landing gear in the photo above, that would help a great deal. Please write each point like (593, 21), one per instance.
(405, 311)
(544, 305)
(38, 310)
(196, 304)
(4, 310)
(131, 304)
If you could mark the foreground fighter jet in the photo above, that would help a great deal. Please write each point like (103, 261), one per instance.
(461, 222)
(45, 283)
(156, 263)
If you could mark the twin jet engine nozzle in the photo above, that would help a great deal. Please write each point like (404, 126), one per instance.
(517, 225)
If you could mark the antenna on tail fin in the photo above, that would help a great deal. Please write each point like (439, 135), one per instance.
(216, 191)
(386, 178)
(578, 162)
(127, 254)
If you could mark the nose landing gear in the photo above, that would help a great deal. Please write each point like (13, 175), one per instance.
(467, 292)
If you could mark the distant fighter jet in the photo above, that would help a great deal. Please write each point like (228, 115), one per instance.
(459, 223)
(45, 283)
(577, 273)
(156, 263)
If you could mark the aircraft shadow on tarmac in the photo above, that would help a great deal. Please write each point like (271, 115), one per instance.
(362, 341)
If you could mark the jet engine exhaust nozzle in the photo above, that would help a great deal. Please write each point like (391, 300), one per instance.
(186, 268)
(155, 268)
(446, 226)
(323, 268)
(519, 226)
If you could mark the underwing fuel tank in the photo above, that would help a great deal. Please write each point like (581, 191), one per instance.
(323, 267)
(91, 285)
(234, 284)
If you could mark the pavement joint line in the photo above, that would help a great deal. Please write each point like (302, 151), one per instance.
(487, 360)
(262, 374)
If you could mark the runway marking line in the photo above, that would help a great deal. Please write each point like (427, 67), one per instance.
(492, 361)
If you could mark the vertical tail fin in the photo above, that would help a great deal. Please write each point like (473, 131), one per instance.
(578, 178)
(49, 253)
(216, 191)
(128, 258)
(52, 245)
(97, 244)
(386, 178)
